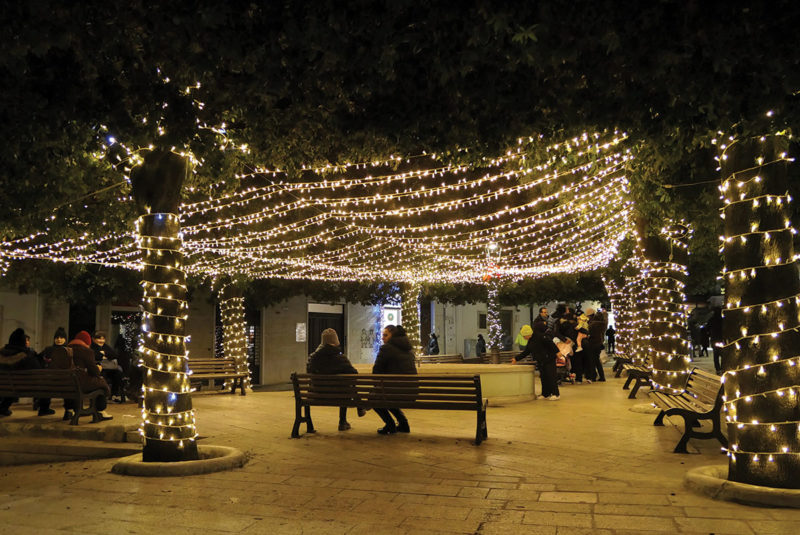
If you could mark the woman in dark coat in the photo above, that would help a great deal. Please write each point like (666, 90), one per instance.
(90, 379)
(480, 346)
(15, 356)
(394, 357)
(329, 360)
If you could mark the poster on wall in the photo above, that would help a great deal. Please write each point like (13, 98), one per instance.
(300, 332)
(390, 316)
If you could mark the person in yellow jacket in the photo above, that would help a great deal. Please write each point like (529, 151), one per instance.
(522, 338)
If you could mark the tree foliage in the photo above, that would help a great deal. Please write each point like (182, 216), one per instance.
(318, 82)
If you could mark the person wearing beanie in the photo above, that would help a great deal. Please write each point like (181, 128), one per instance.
(89, 376)
(544, 351)
(395, 356)
(16, 356)
(524, 335)
(328, 359)
(59, 340)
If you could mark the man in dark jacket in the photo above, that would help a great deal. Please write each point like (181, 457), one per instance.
(329, 360)
(593, 345)
(106, 357)
(394, 357)
(16, 356)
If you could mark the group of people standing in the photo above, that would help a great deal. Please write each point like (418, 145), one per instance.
(576, 339)
(395, 356)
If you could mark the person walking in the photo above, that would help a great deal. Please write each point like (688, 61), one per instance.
(394, 357)
(714, 328)
(328, 359)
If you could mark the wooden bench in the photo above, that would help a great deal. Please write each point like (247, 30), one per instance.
(217, 368)
(59, 384)
(441, 359)
(639, 373)
(367, 391)
(619, 361)
(701, 400)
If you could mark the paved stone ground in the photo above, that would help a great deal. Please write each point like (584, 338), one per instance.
(584, 464)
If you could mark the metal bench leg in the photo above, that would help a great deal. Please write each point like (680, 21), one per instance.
(298, 418)
(307, 419)
(635, 388)
(688, 425)
(660, 418)
(628, 381)
(480, 430)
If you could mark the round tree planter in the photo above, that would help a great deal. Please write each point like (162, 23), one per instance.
(212, 459)
(710, 480)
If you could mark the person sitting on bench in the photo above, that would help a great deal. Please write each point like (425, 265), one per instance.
(16, 356)
(329, 360)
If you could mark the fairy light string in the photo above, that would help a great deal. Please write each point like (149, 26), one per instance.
(761, 327)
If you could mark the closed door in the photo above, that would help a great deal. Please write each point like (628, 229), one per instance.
(318, 322)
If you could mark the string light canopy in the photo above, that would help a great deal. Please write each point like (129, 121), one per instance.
(412, 219)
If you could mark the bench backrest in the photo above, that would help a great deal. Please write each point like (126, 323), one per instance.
(441, 359)
(214, 365)
(704, 386)
(39, 383)
(389, 391)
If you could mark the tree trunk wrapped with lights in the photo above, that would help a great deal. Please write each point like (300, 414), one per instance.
(761, 334)
(168, 426)
(663, 279)
(234, 328)
(409, 312)
(495, 342)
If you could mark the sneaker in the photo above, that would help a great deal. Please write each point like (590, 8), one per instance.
(386, 430)
(403, 428)
(46, 412)
(553, 398)
(68, 414)
(104, 416)
(344, 426)
(588, 381)
(361, 412)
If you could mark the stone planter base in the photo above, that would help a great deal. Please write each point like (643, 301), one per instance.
(212, 459)
(710, 480)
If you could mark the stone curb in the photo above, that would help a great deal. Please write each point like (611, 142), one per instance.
(212, 459)
(710, 480)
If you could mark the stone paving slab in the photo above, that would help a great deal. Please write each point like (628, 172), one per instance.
(584, 464)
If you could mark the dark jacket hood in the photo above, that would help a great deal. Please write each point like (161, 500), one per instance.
(401, 342)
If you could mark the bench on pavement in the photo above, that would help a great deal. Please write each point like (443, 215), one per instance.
(368, 391)
(59, 384)
(700, 400)
(639, 373)
(205, 369)
(619, 361)
(455, 358)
